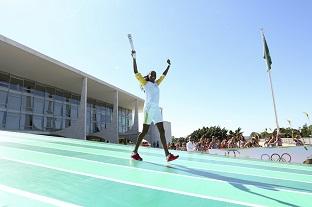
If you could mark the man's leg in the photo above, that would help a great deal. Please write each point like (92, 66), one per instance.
(161, 130)
(140, 137)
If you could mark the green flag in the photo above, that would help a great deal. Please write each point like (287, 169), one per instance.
(266, 53)
(306, 114)
(289, 122)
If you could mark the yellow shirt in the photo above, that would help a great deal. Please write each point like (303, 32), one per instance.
(151, 90)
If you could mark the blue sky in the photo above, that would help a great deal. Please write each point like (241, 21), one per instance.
(218, 75)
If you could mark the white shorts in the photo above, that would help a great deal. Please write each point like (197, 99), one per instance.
(152, 114)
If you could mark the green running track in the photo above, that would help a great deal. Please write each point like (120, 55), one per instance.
(37, 170)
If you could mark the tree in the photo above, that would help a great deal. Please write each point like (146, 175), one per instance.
(306, 131)
(255, 134)
(208, 132)
(265, 134)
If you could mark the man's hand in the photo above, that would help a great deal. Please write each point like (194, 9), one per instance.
(168, 61)
(167, 69)
(133, 54)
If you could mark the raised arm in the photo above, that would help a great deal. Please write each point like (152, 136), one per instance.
(138, 75)
(167, 69)
(164, 73)
(135, 68)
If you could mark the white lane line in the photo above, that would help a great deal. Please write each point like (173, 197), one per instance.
(137, 184)
(36, 197)
(198, 168)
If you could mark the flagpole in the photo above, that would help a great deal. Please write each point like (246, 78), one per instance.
(266, 56)
(310, 135)
(274, 105)
(292, 131)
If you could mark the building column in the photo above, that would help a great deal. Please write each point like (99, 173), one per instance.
(135, 126)
(82, 120)
(115, 133)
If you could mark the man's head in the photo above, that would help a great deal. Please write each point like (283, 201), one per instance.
(152, 76)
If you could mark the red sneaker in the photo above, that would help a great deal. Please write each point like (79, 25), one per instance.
(172, 157)
(136, 156)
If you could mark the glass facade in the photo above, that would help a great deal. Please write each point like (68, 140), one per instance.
(99, 116)
(124, 120)
(32, 106)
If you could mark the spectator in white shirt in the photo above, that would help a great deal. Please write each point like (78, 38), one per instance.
(190, 146)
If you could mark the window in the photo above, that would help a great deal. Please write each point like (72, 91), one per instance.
(58, 123)
(103, 117)
(38, 123)
(95, 127)
(75, 99)
(58, 109)
(26, 121)
(4, 80)
(38, 105)
(67, 110)
(108, 115)
(50, 92)
(88, 119)
(16, 84)
(67, 123)
(39, 90)
(49, 107)
(93, 115)
(27, 103)
(49, 123)
(74, 111)
(98, 116)
(67, 96)
(29, 86)
(129, 118)
(14, 101)
(3, 99)
(2, 119)
(12, 121)
(124, 119)
(59, 95)
(127, 125)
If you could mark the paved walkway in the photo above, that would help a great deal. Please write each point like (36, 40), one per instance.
(37, 170)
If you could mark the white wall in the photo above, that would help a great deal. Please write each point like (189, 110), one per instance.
(298, 154)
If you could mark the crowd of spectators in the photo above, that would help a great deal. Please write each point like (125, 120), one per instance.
(205, 143)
